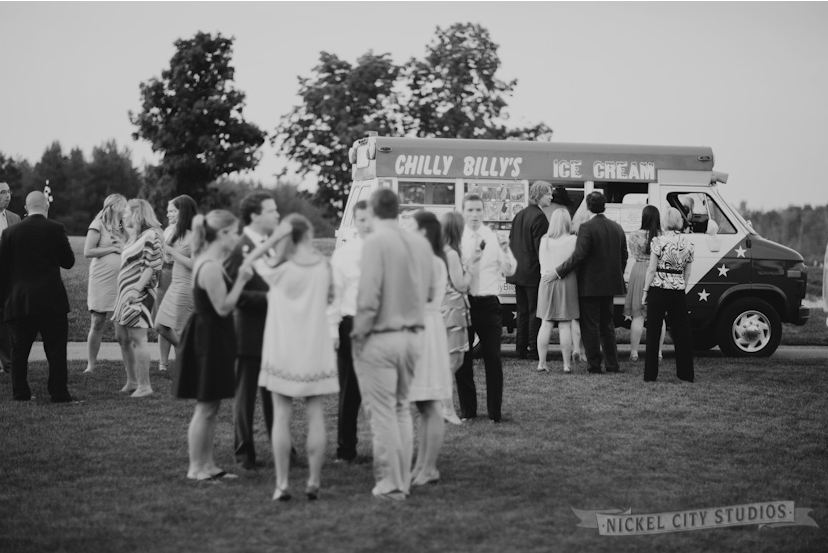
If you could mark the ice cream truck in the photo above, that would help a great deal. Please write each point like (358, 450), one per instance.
(741, 288)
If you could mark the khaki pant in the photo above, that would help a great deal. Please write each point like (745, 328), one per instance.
(384, 369)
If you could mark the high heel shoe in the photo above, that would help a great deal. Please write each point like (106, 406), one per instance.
(281, 495)
(312, 492)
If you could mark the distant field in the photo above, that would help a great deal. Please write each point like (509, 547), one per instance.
(813, 333)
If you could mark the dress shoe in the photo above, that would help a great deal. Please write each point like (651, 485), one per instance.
(594, 371)
(312, 492)
(281, 495)
(63, 399)
(252, 465)
(615, 370)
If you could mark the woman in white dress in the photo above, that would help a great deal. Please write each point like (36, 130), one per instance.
(431, 384)
(557, 299)
(104, 242)
(298, 358)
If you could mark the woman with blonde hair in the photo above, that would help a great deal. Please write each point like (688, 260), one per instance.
(558, 299)
(137, 280)
(298, 359)
(104, 241)
(208, 341)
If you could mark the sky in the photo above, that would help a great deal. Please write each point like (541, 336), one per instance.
(748, 79)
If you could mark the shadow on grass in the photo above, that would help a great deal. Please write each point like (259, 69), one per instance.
(108, 474)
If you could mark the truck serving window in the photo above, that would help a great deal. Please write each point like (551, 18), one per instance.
(701, 213)
(422, 194)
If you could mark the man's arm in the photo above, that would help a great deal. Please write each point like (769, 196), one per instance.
(254, 301)
(539, 227)
(583, 245)
(625, 253)
(369, 292)
(66, 257)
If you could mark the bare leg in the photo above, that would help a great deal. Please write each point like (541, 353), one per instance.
(93, 340)
(636, 329)
(128, 353)
(316, 439)
(282, 411)
(432, 432)
(544, 333)
(565, 330)
(200, 437)
(455, 361)
(138, 337)
(577, 346)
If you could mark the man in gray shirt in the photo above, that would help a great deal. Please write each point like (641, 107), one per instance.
(394, 286)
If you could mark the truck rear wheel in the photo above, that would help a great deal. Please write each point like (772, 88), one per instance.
(749, 327)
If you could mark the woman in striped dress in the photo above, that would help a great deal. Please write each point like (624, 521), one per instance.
(137, 280)
(455, 302)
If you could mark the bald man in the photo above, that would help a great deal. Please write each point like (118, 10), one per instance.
(7, 219)
(33, 297)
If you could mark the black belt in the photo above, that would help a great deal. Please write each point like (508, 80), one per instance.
(670, 271)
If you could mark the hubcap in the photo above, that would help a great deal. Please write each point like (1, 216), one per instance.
(751, 331)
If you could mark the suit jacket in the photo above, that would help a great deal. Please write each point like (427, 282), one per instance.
(12, 218)
(528, 227)
(32, 253)
(251, 309)
(600, 257)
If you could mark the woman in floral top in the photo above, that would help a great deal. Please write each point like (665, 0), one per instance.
(671, 256)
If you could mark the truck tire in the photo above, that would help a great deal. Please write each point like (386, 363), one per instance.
(749, 327)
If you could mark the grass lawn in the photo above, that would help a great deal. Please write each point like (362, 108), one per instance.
(108, 474)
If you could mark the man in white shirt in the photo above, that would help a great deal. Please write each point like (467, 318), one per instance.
(345, 266)
(489, 260)
(7, 219)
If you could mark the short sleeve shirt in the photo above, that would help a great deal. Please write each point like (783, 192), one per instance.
(673, 251)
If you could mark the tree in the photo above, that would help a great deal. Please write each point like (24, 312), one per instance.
(193, 115)
(340, 103)
(453, 92)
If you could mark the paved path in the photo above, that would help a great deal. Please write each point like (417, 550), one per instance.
(111, 351)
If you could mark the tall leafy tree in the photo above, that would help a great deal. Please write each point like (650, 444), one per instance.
(340, 102)
(452, 92)
(193, 116)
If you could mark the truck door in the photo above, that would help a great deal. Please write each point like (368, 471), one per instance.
(721, 257)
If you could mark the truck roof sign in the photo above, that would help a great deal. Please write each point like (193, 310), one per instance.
(522, 160)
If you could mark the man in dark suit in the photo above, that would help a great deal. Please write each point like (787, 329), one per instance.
(528, 227)
(34, 299)
(600, 257)
(260, 217)
(7, 219)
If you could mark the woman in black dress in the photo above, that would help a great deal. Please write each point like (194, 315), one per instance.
(208, 342)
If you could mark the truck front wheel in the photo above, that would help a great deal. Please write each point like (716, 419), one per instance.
(749, 327)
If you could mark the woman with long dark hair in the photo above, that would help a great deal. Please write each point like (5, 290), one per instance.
(639, 244)
(431, 384)
(177, 304)
(456, 301)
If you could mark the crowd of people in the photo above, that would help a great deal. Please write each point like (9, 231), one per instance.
(386, 323)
